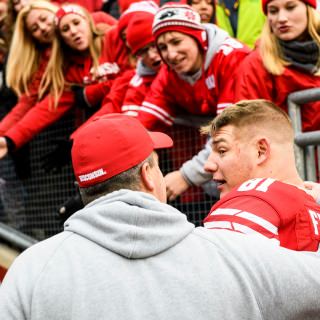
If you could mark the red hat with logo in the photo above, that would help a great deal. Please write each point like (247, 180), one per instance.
(111, 144)
(136, 7)
(312, 3)
(181, 18)
(139, 31)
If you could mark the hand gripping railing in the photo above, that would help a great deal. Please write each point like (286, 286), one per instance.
(305, 142)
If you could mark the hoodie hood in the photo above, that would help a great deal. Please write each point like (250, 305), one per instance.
(216, 37)
(130, 223)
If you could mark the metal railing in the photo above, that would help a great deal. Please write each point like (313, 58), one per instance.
(307, 144)
(15, 238)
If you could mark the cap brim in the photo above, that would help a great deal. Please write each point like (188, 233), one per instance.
(160, 140)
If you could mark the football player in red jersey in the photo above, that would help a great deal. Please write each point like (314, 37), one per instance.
(252, 161)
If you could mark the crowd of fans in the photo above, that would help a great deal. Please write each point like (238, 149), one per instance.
(127, 80)
(153, 61)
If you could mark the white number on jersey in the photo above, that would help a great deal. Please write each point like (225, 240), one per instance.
(255, 184)
(315, 217)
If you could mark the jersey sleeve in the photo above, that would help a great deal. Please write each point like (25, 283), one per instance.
(134, 96)
(24, 104)
(95, 93)
(156, 112)
(39, 118)
(113, 101)
(245, 214)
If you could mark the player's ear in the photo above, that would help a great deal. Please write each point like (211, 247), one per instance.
(263, 150)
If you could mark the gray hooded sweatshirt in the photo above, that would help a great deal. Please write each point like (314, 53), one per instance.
(128, 256)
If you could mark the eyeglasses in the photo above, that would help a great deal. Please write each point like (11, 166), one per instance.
(145, 50)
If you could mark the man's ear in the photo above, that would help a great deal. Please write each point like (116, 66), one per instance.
(147, 177)
(263, 149)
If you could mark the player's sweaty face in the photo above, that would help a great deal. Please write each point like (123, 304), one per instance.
(231, 161)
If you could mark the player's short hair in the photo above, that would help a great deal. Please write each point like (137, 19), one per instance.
(259, 114)
(129, 179)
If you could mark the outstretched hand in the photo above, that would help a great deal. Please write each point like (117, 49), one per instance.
(176, 184)
(3, 147)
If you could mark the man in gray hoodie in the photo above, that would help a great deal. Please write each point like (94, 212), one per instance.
(129, 255)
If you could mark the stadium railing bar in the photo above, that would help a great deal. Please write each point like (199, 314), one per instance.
(307, 144)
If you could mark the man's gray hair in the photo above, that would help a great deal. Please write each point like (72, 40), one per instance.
(129, 179)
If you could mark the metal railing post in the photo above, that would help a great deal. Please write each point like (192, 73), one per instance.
(304, 141)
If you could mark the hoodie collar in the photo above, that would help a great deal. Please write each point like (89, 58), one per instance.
(130, 223)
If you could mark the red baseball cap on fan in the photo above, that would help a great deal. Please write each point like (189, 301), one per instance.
(112, 144)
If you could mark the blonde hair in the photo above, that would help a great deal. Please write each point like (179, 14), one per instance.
(23, 58)
(271, 52)
(53, 80)
(259, 114)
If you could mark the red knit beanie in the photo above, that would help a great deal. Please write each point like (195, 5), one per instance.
(312, 3)
(142, 6)
(139, 31)
(181, 18)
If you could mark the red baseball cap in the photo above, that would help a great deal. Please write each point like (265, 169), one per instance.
(111, 144)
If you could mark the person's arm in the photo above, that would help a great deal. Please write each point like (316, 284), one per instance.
(24, 104)
(39, 118)
(137, 90)
(191, 173)
(285, 284)
(157, 112)
(21, 282)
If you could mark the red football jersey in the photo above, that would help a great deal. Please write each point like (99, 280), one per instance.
(271, 208)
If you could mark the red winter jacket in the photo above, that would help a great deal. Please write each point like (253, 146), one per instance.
(136, 93)
(255, 82)
(170, 95)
